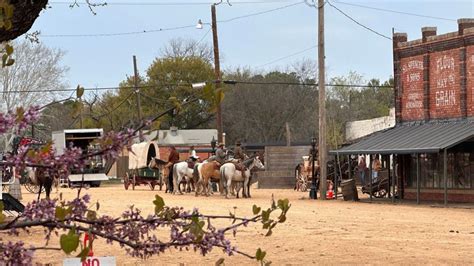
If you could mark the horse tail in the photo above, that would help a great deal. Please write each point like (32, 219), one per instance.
(222, 170)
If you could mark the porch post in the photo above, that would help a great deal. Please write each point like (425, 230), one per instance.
(389, 173)
(370, 176)
(417, 178)
(337, 169)
(349, 175)
(394, 162)
(445, 174)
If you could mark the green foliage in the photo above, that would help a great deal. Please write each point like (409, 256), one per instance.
(69, 242)
(2, 216)
(269, 223)
(159, 204)
(62, 212)
(7, 60)
(6, 14)
(79, 91)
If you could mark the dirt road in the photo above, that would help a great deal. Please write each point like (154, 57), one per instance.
(316, 232)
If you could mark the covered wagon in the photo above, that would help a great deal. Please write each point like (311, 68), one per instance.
(139, 172)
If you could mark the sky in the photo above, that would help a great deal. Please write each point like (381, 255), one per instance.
(262, 42)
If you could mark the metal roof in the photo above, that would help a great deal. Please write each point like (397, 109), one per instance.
(182, 136)
(415, 138)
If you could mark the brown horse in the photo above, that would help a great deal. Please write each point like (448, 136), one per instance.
(208, 172)
(161, 165)
(42, 177)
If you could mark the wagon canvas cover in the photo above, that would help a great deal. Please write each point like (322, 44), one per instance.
(137, 158)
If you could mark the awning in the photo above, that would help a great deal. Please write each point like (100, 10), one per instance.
(413, 138)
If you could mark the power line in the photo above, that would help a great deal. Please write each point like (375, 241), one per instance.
(166, 29)
(394, 11)
(171, 3)
(230, 82)
(203, 37)
(288, 56)
(234, 82)
(357, 22)
(261, 13)
(116, 107)
(118, 33)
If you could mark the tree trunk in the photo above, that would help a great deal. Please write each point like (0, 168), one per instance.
(24, 15)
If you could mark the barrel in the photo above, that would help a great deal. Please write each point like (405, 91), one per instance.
(349, 190)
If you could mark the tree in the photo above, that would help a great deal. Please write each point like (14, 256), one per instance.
(182, 48)
(37, 69)
(167, 80)
(258, 110)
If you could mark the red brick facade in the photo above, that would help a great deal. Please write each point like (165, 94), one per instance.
(470, 80)
(461, 197)
(434, 76)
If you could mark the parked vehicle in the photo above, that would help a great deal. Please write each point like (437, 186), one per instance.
(95, 172)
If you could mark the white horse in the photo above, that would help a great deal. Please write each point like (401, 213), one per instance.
(229, 173)
(181, 171)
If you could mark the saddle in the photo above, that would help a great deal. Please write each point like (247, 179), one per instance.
(240, 167)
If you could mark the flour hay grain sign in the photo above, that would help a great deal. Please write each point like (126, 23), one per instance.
(90, 261)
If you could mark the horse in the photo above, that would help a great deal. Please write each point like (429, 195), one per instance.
(181, 172)
(42, 178)
(207, 172)
(229, 173)
(156, 163)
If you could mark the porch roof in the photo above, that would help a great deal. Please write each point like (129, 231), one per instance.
(412, 138)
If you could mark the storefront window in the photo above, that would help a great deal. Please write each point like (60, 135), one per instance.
(460, 170)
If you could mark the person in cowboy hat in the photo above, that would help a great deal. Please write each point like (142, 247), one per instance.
(192, 154)
(221, 153)
(238, 152)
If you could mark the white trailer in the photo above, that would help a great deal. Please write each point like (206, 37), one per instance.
(84, 139)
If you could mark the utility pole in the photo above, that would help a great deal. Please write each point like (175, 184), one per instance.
(322, 103)
(139, 105)
(217, 70)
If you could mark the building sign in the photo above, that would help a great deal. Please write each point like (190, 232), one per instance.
(412, 84)
(90, 261)
(444, 84)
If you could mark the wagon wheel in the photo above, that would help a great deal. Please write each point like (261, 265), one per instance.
(126, 181)
(30, 187)
(380, 193)
(304, 183)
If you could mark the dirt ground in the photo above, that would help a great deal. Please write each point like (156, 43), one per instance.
(316, 232)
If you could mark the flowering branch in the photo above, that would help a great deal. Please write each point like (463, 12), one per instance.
(132, 231)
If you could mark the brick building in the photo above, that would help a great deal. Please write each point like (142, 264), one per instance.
(432, 144)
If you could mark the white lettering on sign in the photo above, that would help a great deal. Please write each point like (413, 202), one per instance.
(443, 83)
(413, 64)
(413, 77)
(445, 62)
(90, 261)
(414, 100)
(445, 98)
